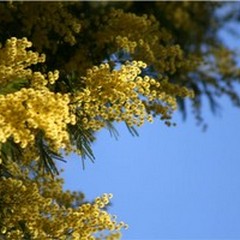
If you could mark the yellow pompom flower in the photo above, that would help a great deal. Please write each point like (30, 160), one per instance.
(123, 95)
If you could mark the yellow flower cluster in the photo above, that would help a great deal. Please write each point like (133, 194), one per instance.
(123, 95)
(27, 111)
(31, 208)
(15, 63)
(143, 37)
(117, 24)
(43, 22)
(15, 60)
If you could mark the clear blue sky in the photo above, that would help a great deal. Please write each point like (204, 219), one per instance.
(169, 183)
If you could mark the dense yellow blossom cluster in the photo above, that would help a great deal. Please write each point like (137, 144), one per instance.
(117, 24)
(29, 110)
(109, 95)
(31, 208)
(43, 21)
(124, 95)
(15, 63)
(15, 60)
(143, 37)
